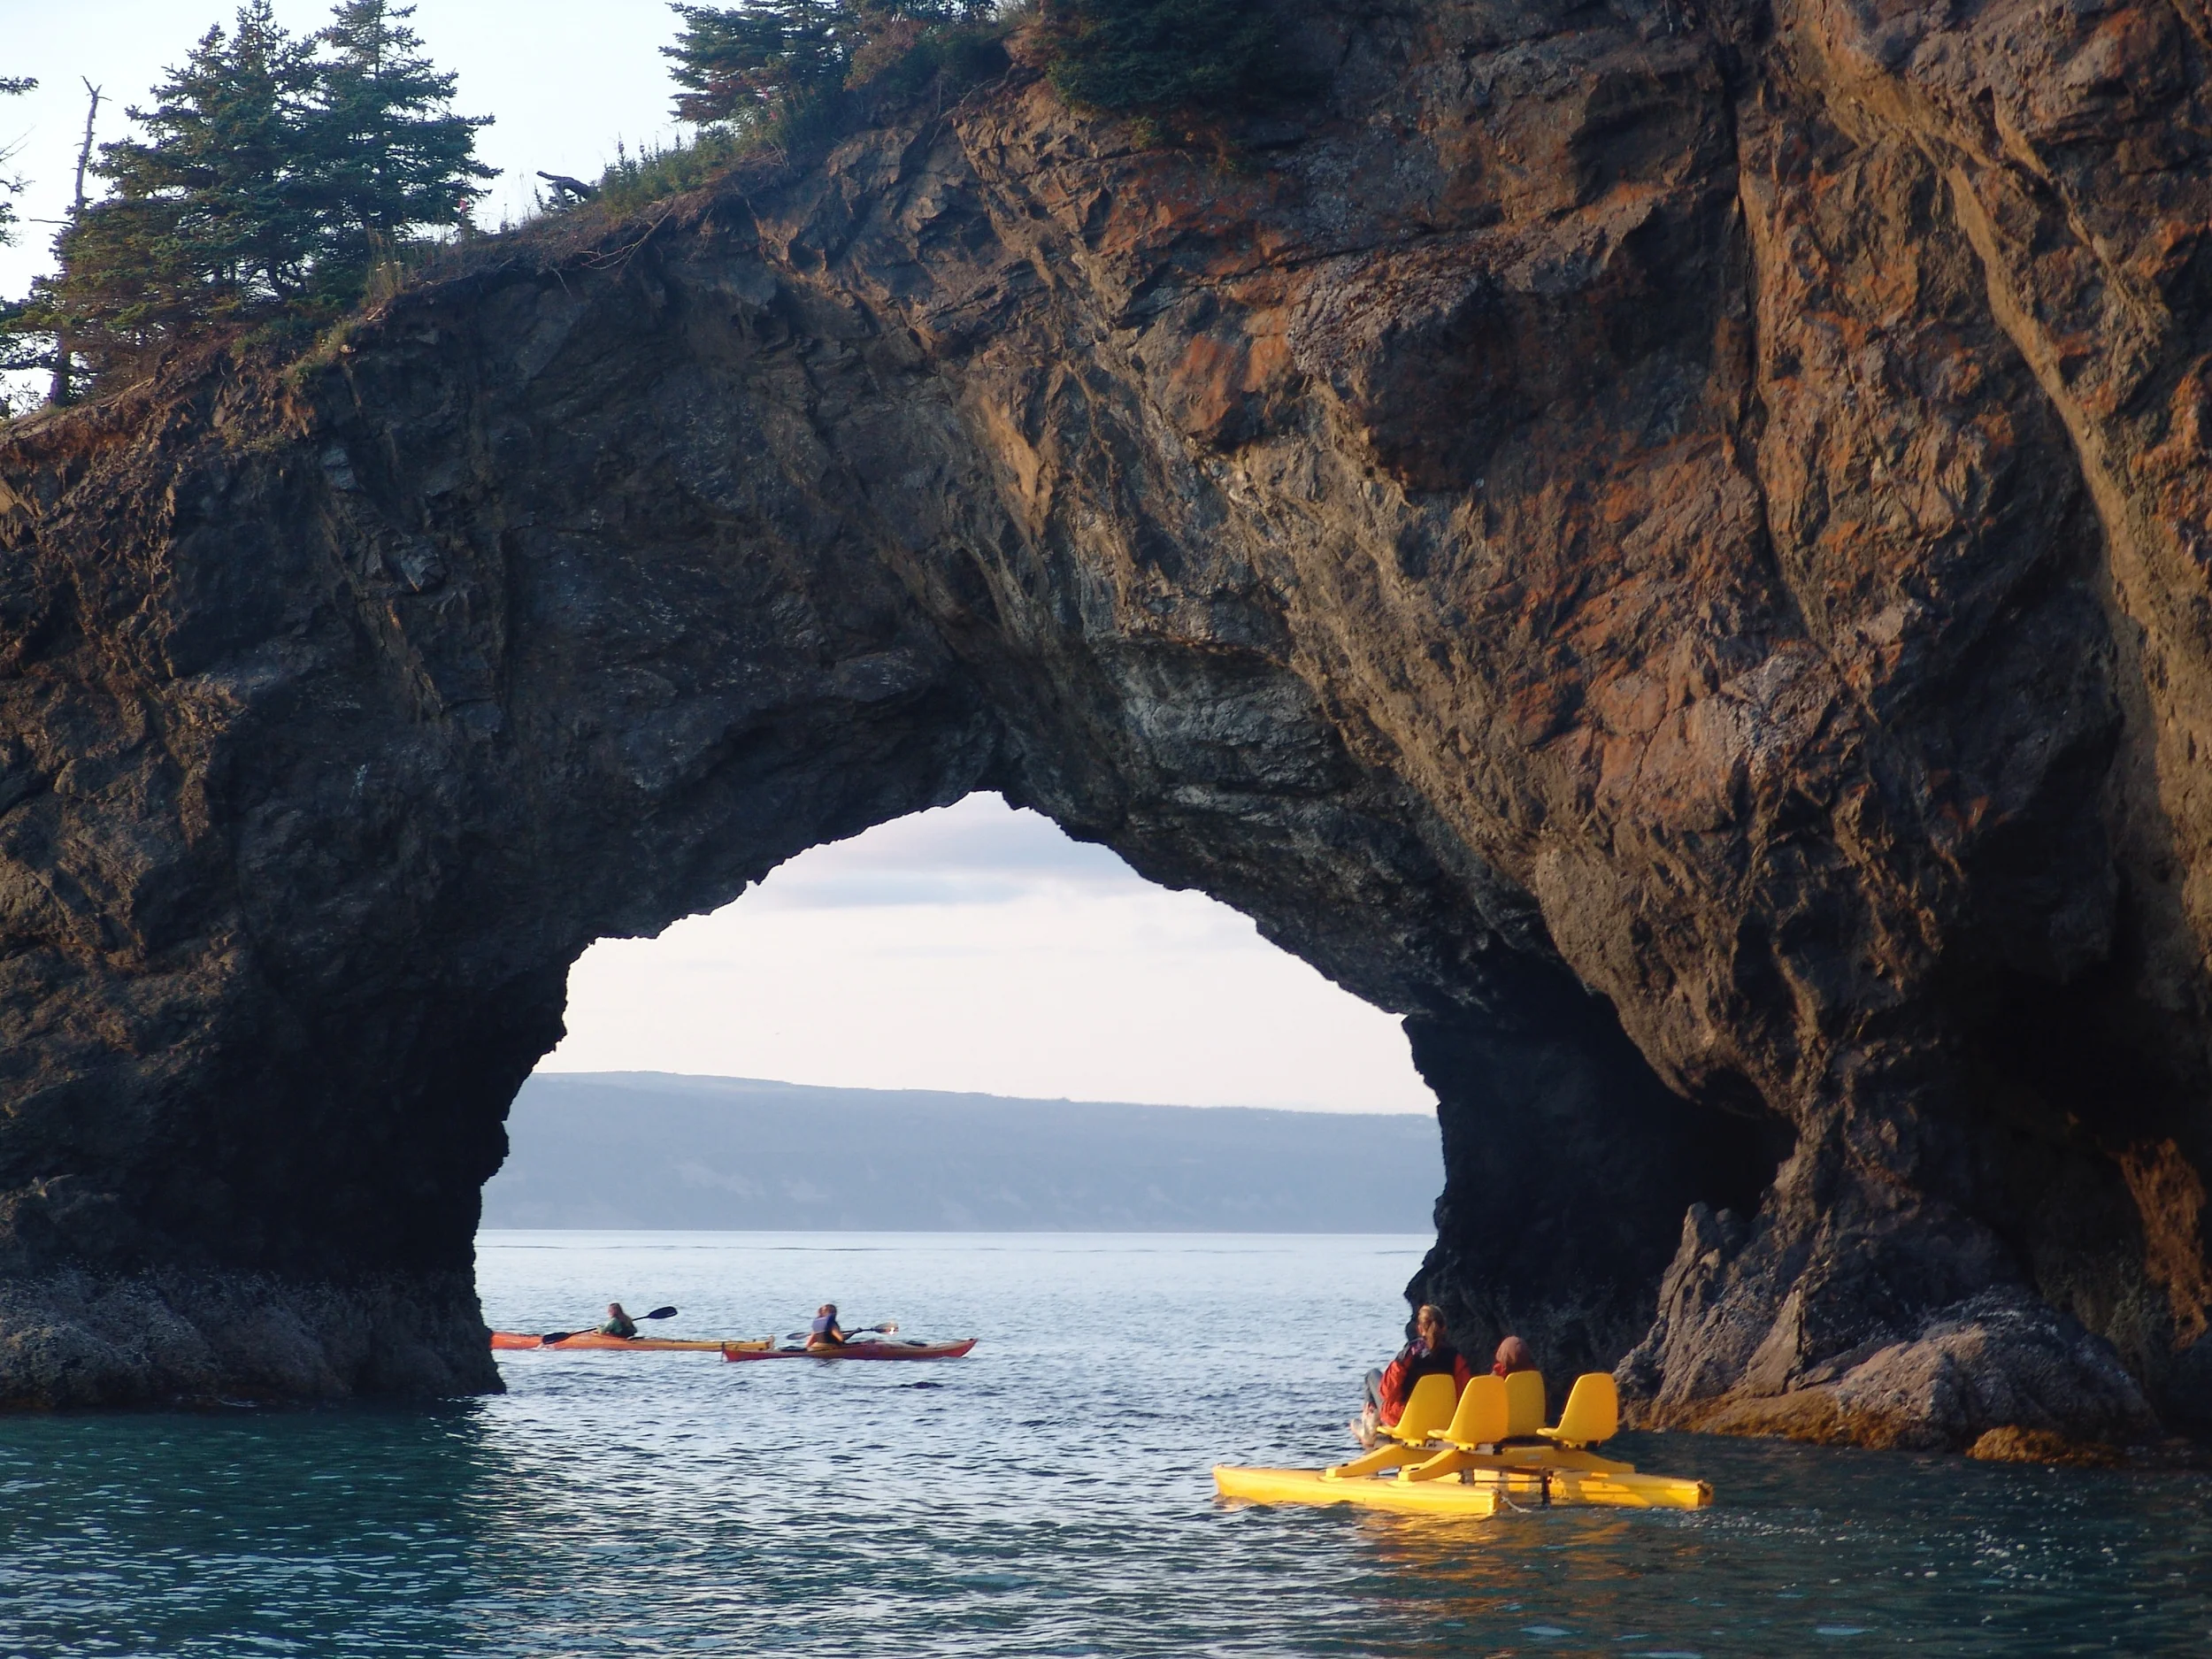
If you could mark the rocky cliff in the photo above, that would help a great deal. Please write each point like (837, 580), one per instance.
(1667, 545)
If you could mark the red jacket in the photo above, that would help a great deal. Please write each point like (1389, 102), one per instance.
(1414, 1362)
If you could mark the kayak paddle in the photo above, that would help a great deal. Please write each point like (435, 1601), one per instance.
(889, 1327)
(551, 1336)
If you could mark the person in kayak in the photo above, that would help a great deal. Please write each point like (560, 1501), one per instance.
(825, 1331)
(618, 1322)
(1429, 1353)
(1513, 1355)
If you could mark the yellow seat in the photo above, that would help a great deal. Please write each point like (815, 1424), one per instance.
(1428, 1410)
(1523, 1405)
(1479, 1421)
(1502, 1438)
(1592, 1412)
(1482, 1416)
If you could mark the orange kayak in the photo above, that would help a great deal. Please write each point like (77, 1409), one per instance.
(734, 1351)
(584, 1339)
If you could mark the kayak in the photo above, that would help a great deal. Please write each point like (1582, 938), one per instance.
(590, 1339)
(734, 1351)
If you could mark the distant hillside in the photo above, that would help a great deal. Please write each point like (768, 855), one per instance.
(648, 1149)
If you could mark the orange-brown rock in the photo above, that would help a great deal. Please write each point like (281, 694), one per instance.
(2010, 1445)
(1668, 545)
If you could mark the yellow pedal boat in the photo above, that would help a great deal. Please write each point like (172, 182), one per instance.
(1317, 1486)
(1487, 1450)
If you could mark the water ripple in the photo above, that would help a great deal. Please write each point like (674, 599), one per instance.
(1047, 1496)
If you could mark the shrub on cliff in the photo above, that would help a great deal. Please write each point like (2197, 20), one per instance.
(274, 175)
(653, 172)
(1159, 56)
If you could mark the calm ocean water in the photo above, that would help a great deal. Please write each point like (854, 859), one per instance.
(1048, 1495)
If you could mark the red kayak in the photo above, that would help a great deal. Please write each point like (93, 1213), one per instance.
(735, 1351)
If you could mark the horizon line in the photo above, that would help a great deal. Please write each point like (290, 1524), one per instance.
(1034, 1100)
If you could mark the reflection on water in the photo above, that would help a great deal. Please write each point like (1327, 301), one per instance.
(1048, 1495)
(1813, 1546)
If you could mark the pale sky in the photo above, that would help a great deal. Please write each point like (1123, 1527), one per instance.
(971, 948)
(978, 948)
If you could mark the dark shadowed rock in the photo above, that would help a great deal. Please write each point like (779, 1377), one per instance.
(76, 1337)
(1667, 545)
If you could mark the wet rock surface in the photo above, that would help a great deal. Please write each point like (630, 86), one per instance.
(1664, 544)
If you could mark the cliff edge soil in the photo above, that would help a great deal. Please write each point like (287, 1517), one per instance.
(1668, 546)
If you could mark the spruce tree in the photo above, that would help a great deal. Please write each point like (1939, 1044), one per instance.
(10, 85)
(14, 354)
(124, 288)
(1198, 56)
(758, 62)
(208, 216)
(266, 181)
(779, 67)
(222, 181)
(390, 156)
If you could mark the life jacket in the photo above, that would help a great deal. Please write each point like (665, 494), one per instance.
(1398, 1380)
(1444, 1360)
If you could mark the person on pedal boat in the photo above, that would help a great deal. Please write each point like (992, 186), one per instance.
(1428, 1354)
(825, 1331)
(618, 1322)
(1513, 1355)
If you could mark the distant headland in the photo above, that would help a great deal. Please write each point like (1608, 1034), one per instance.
(655, 1150)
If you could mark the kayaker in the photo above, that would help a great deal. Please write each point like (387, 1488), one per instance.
(825, 1331)
(618, 1322)
(1429, 1353)
(1513, 1355)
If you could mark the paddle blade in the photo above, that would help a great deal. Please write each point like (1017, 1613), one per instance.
(661, 1313)
(551, 1336)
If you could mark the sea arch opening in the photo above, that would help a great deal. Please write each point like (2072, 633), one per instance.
(841, 968)
(977, 1023)
(977, 947)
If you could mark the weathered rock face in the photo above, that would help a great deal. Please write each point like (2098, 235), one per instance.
(1668, 548)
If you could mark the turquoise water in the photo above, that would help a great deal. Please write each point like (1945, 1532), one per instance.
(1047, 1496)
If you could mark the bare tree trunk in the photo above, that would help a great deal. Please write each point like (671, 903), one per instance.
(64, 345)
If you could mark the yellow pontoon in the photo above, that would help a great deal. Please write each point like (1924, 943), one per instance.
(1317, 1486)
(1488, 1449)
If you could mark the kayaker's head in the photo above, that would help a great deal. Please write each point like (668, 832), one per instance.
(827, 1310)
(1513, 1355)
(614, 1311)
(1428, 1324)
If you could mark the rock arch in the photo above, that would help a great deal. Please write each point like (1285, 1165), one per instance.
(1623, 583)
